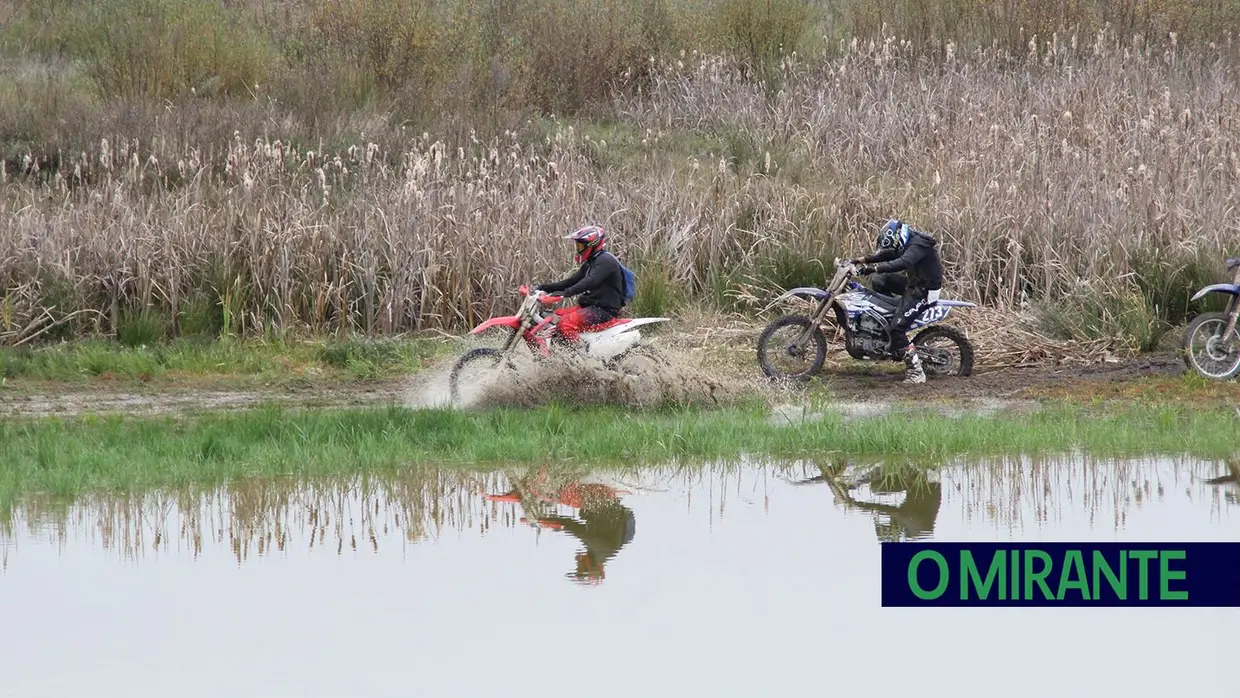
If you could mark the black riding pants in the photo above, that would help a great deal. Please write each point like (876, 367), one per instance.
(912, 302)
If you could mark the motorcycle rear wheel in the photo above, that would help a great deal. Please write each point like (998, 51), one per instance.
(941, 362)
(637, 359)
(816, 349)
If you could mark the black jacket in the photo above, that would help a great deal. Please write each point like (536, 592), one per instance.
(920, 262)
(599, 280)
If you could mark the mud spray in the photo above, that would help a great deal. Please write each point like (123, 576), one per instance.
(657, 378)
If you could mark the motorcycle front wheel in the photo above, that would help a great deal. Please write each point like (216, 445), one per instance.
(780, 360)
(473, 371)
(1206, 352)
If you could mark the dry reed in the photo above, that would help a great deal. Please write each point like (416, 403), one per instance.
(1086, 160)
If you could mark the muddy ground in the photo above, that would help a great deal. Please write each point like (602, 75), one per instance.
(1084, 381)
(1147, 376)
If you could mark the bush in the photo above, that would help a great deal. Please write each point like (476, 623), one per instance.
(163, 49)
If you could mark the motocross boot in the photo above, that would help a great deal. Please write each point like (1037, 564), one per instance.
(914, 373)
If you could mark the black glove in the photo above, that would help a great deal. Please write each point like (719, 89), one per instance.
(856, 262)
(865, 270)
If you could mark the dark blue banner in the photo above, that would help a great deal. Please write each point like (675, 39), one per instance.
(926, 573)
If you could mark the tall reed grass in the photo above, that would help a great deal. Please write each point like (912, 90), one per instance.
(1091, 176)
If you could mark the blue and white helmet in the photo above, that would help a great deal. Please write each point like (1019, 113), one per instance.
(893, 236)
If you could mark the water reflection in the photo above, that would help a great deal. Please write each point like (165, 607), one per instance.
(918, 488)
(603, 525)
(1231, 477)
(259, 517)
(595, 509)
(351, 586)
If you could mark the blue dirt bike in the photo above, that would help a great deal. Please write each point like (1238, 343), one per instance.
(1211, 343)
(794, 347)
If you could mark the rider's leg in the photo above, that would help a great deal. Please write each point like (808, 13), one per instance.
(568, 323)
(564, 324)
(582, 317)
(894, 284)
(595, 315)
(889, 284)
(912, 303)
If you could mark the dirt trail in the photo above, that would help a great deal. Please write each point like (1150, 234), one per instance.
(173, 401)
(846, 381)
(884, 380)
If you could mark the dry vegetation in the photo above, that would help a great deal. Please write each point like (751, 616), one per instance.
(411, 175)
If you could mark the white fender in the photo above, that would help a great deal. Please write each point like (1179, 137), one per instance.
(615, 340)
(631, 325)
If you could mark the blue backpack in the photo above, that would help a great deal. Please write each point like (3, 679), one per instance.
(630, 283)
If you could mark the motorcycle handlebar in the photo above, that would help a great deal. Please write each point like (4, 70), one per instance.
(540, 295)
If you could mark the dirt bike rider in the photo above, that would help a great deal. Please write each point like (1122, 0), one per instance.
(901, 248)
(599, 281)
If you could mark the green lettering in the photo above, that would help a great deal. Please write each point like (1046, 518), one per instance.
(1038, 578)
(944, 575)
(1118, 585)
(1015, 575)
(1164, 559)
(1073, 563)
(1144, 556)
(970, 573)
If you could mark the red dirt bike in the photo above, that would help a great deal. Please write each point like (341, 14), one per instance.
(609, 342)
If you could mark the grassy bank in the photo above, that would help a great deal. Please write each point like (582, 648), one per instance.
(1085, 175)
(187, 362)
(74, 456)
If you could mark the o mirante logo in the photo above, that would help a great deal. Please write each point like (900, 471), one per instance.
(1060, 574)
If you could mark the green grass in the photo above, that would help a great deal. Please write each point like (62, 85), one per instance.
(184, 360)
(70, 457)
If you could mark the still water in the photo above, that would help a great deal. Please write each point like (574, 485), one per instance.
(726, 580)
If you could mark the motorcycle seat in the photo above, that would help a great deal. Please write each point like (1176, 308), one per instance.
(890, 302)
(607, 325)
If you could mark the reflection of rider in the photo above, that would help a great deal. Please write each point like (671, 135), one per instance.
(1232, 476)
(913, 519)
(900, 248)
(603, 524)
(599, 280)
(1231, 479)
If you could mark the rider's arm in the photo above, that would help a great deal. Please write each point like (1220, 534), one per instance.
(880, 256)
(912, 255)
(553, 286)
(603, 266)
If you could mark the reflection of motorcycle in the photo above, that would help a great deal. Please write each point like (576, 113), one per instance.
(913, 519)
(602, 524)
(1231, 478)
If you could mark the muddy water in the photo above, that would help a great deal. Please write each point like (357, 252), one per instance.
(725, 581)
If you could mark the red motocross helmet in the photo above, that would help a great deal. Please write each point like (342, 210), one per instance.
(590, 240)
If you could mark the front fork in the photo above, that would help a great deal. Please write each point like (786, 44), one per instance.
(513, 336)
(1232, 306)
(815, 321)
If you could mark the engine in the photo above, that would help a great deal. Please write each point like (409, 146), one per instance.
(868, 336)
(867, 325)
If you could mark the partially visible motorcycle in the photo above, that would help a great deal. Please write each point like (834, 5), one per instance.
(1211, 343)
(865, 317)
